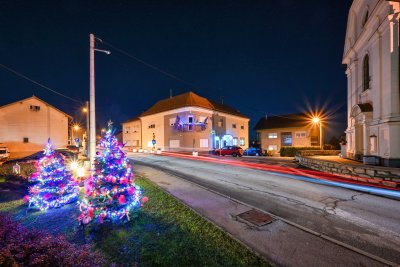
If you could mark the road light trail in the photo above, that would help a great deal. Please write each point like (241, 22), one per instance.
(305, 175)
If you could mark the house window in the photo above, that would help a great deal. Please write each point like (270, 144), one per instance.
(152, 125)
(273, 148)
(172, 121)
(203, 142)
(174, 143)
(301, 134)
(242, 141)
(234, 126)
(34, 108)
(202, 119)
(221, 123)
(272, 135)
(190, 121)
(286, 139)
(366, 78)
(26, 140)
(235, 141)
(127, 129)
(136, 128)
(242, 127)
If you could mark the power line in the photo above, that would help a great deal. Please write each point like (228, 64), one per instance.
(148, 64)
(174, 76)
(39, 84)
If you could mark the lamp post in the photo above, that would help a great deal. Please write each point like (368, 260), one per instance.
(317, 120)
(86, 110)
(75, 127)
(92, 120)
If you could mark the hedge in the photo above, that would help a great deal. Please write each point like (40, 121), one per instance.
(6, 171)
(290, 151)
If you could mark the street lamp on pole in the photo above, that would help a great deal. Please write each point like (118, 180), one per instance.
(317, 120)
(85, 109)
(92, 120)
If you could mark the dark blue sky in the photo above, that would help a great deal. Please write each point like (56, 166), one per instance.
(263, 57)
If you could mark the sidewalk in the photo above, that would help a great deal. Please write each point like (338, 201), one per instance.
(280, 242)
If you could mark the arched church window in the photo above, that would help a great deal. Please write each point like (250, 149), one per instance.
(366, 76)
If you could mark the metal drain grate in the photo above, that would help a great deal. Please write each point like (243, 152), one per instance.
(256, 217)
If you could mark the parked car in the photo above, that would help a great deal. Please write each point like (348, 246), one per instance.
(253, 151)
(230, 150)
(4, 153)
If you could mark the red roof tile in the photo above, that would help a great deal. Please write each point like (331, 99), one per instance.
(189, 99)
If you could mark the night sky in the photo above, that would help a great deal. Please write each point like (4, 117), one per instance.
(261, 57)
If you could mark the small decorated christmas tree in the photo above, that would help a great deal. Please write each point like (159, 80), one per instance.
(111, 193)
(54, 185)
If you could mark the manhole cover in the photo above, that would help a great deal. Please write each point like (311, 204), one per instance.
(256, 217)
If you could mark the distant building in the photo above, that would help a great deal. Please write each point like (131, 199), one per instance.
(132, 133)
(371, 54)
(26, 125)
(274, 132)
(187, 122)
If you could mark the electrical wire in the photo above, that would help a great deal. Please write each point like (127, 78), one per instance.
(163, 71)
(148, 64)
(39, 84)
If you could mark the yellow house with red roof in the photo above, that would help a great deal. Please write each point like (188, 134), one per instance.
(187, 122)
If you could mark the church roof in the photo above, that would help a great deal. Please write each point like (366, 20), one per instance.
(190, 99)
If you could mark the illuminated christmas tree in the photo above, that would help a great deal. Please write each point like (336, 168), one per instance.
(54, 185)
(111, 193)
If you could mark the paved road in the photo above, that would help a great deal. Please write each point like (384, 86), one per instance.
(367, 222)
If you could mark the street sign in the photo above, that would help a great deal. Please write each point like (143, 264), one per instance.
(153, 142)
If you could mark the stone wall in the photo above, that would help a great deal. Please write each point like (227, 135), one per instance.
(364, 173)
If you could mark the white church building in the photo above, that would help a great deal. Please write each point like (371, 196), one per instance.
(371, 54)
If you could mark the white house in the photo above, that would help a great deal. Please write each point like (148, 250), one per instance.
(187, 122)
(26, 125)
(371, 54)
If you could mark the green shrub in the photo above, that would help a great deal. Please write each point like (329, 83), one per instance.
(331, 147)
(6, 170)
(291, 151)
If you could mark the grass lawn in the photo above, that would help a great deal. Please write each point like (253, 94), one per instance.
(163, 233)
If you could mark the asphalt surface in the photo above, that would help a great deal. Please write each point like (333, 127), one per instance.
(366, 222)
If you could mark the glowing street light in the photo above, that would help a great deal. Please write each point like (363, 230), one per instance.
(74, 165)
(317, 120)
